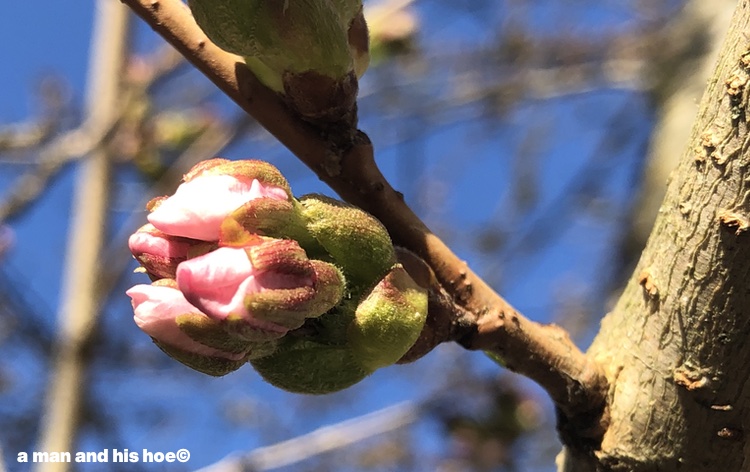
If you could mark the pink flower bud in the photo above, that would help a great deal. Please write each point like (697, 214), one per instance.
(160, 253)
(185, 333)
(156, 310)
(199, 206)
(267, 288)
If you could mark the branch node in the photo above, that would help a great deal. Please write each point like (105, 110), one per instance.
(647, 280)
(734, 221)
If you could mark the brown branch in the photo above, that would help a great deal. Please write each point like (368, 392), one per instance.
(345, 162)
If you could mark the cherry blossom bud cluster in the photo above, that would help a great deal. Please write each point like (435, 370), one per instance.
(308, 291)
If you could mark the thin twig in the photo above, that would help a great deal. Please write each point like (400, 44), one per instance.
(322, 440)
(63, 149)
(346, 163)
(26, 135)
(74, 144)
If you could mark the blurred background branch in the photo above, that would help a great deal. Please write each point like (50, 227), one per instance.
(81, 297)
(326, 439)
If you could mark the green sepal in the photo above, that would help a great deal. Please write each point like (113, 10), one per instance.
(278, 36)
(268, 217)
(214, 366)
(212, 333)
(291, 307)
(355, 240)
(303, 366)
(388, 320)
(247, 169)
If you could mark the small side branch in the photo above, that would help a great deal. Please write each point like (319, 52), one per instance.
(479, 318)
(546, 354)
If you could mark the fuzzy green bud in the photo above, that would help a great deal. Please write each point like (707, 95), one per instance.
(304, 366)
(287, 36)
(388, 320)
(298, 48)
(355, 240)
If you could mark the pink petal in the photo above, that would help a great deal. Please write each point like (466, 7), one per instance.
(156, 308)
(149, 240)
(198, 207)
(213, 281)
(267, 191)
(219, 282)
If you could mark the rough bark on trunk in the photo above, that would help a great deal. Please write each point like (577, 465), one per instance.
(701, 25)
(676, 347)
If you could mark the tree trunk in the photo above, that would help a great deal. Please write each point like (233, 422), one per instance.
(698, 33)
(676, 347)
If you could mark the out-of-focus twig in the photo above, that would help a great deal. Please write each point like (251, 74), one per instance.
(24, 135)
(91, 135)
(63, 149)
(79, 310)
(325, 439)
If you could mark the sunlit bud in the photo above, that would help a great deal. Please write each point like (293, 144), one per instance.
(351, 341)
(260, 291)
(299, 48)
(159, 254)
(388, 320)
(212, 192)
(304, 366)
(356, 241)
(245, 170)
(183, 332)
(283, 36)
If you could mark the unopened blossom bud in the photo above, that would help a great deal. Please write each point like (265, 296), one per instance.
(211, 193)
(298, 49)
(388, 320)
(261, 291)
(282, 37)
(159, 254)
(351, 341)
(356, 241)
(186, 334)
(304, 366)
(246, 170)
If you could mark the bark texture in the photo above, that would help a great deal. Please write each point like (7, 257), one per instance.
(698, 34)
(676, 347)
